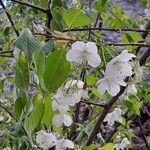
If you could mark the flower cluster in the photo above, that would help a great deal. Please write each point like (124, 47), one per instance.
(81, 53)
(114, 116)
(46, 141)
(116, 71)
(69, 95)
(122, 145)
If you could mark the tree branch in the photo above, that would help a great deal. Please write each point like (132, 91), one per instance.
(9, 18)
(129, 44)
(144, 35)
(111, 103)
(143, 134)
(91, 103)
(106, 29)
(29, 5)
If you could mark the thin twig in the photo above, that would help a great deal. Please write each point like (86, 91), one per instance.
(10, 113)
(144, 35)
(29, 5)
(128, 44)
(9, 18)
(143, 134)
(91, 103)
(105, 29)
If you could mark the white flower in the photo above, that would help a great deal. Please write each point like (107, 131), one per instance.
(45, 140)
(48, 140)
(81, 52)
(114, 116)
(63, 144)
(122, 145)
(119, 67)
(111, 85)
(116, 72)
(60, 119)
(69, 95)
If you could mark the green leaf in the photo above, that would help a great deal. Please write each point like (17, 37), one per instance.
(48, 112)
(131, 37)
(27, 43)
(75, 18)
(39, 62)
(90, 80)
(21, 73)
(34, 119)
(47, 48)
(109, 146)
(56, 70)
(20, 104)
(133, 105)
(101, 5)
(90, 147)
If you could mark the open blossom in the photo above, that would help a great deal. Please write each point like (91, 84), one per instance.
(45, 140)
(122, 145)
(63, 144)
(48, 140)
(81, 52)
(69, 95)
(114, 116)
(60, 119)
(116, 71)
(111, 85)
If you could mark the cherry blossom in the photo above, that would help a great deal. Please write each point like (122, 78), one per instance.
(116, 71)
(114, 116)
(63, 144)
(81, 52)
(60, 119)
(45, 140)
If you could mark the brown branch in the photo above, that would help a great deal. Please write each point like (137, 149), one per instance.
(106, 29)
(144, 35)
(49, 15)
(143, 134)
(9, 18)
(11, 56)
(91, 103)
(128, 44)
(29, 5)
(111, 103)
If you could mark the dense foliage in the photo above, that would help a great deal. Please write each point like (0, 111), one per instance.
(74, 74)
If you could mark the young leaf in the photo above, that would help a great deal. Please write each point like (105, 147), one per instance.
(101, 5)
(20, 104)
(21, 72)
(48, 112)
(56, 70)
(36, 115)
(75, 18)
(109, 146)
(27, 43)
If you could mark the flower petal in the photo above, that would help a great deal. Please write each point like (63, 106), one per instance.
(57, 120)
(91, 47)
(78, 45)
(114, 89)
(94, 60)
(74, 56)
(67, 120)
(68, 144)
